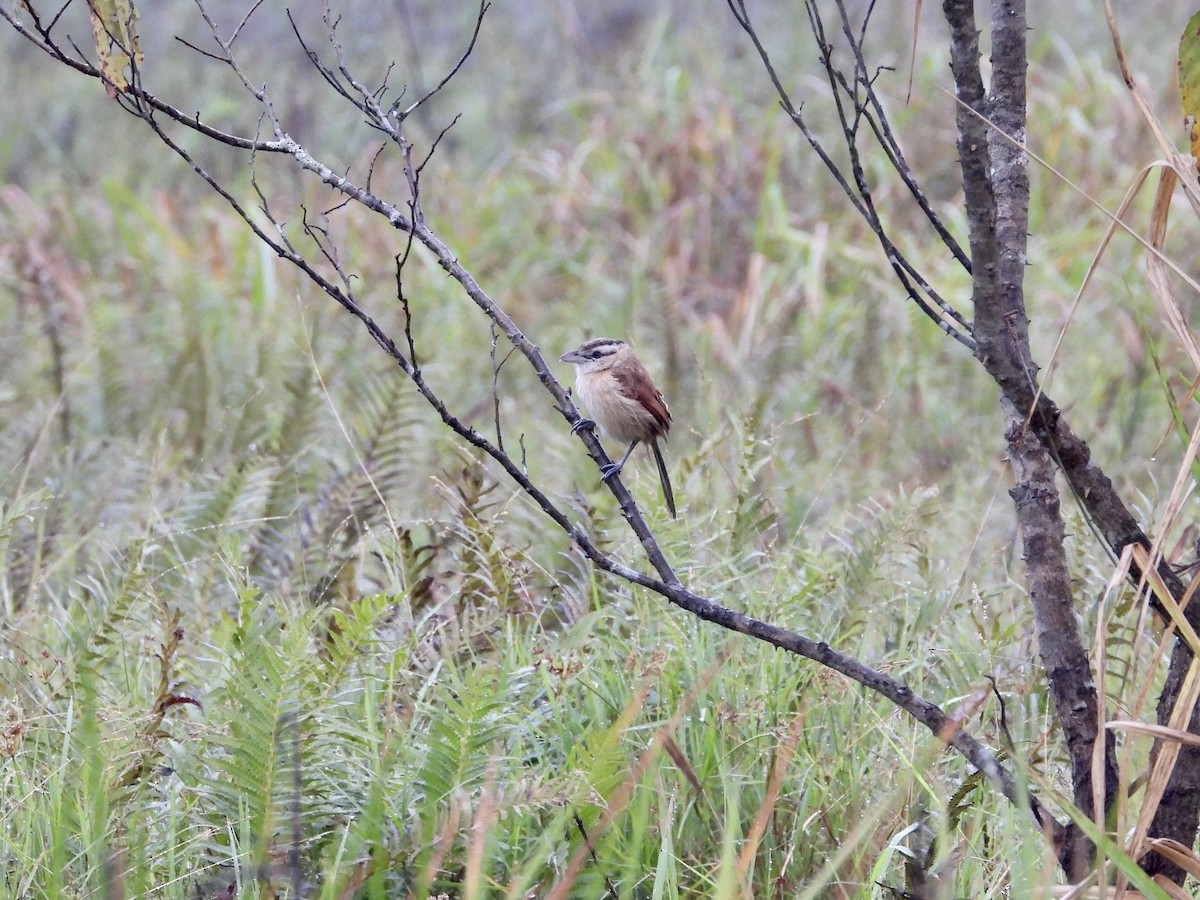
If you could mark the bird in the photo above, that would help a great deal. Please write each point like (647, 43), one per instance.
(620, 396)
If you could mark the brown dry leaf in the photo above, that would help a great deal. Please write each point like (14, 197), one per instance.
(116, 41)
(1157, 270)
(1111, 892)
(681, 762)
(1181, 164)
(1189, 80)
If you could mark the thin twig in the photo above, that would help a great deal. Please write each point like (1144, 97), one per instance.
(484, 6)
(496, 367)
(245, 19)
(857, 193)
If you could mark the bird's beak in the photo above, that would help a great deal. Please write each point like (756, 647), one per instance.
(571, 357)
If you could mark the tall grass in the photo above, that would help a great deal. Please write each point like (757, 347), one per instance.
(266, 626)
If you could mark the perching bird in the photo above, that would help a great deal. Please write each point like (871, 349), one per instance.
(620, 396)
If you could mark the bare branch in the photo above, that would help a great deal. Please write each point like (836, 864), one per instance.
(856, 187)
(429, 95)
(434, 145)
(201, 50)
(245, 20)
(58, 15)
(882, 129)
(314, 58)
(497, 365)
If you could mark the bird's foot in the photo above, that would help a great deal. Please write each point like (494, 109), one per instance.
(609, 472)
(582, 424)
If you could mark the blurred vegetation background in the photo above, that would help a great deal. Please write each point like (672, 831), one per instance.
(214, 489)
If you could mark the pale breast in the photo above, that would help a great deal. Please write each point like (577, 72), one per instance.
(619, 416)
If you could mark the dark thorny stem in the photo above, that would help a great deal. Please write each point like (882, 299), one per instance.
(996, 192)
(1040, 441)
(996, 188)
(1004, 352)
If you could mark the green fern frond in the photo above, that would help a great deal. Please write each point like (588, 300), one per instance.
(104, 617)
(490, 572)
(259, 713)
(353, 633)
(885, 532)
(753, 515)
(293, 444)
(386, 433)
(456, 734)
(21, 524)
(317, 548)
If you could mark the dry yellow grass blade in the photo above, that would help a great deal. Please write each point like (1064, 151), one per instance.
(1164, 761)
(1094, 892)
(1172, 889)
(485, 818)
(1177, 169)
(1154, 656)
(1117, 891)
(783, 760)
(1149, 560)
(1182, 856)
(442, 844)
(1157, 272)
(1179, 163)
(1102, 891)
(1159, 732)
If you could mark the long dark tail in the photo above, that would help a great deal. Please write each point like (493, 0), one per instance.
(664, 477)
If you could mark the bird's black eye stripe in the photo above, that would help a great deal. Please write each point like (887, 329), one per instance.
(598, 349)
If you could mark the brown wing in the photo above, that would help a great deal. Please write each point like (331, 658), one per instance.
(635, 382)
